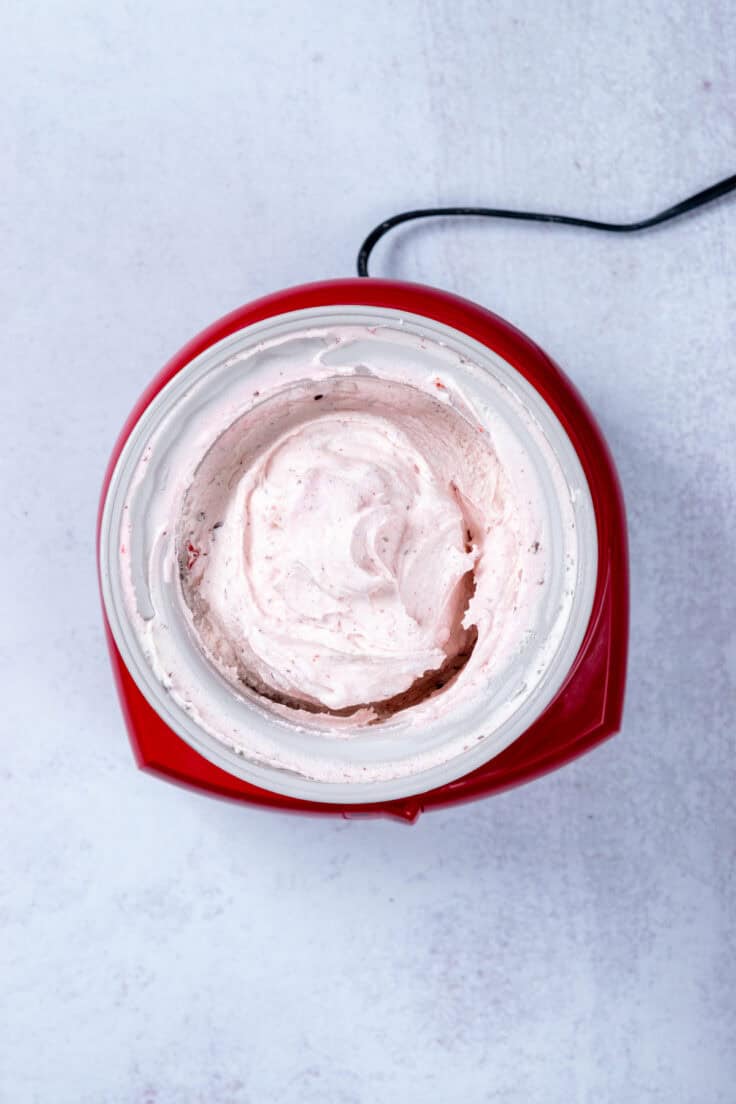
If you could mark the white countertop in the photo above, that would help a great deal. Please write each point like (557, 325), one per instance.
(570, 941)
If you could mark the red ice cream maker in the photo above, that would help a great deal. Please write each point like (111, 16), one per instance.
(588, 706)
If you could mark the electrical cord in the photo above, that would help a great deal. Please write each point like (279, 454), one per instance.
(708, 195)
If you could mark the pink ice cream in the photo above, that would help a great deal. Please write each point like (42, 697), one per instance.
(329, 547)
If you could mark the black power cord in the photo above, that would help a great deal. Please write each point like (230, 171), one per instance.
(708, 195)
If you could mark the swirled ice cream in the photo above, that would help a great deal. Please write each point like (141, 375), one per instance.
(350, 552)
(347, 551)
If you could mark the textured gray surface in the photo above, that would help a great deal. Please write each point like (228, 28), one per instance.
(572, 941)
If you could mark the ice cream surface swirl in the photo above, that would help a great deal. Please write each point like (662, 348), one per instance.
(334, 552)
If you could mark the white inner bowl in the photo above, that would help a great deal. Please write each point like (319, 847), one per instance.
(308, 755)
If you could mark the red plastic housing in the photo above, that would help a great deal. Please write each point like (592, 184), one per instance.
(588, 706)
